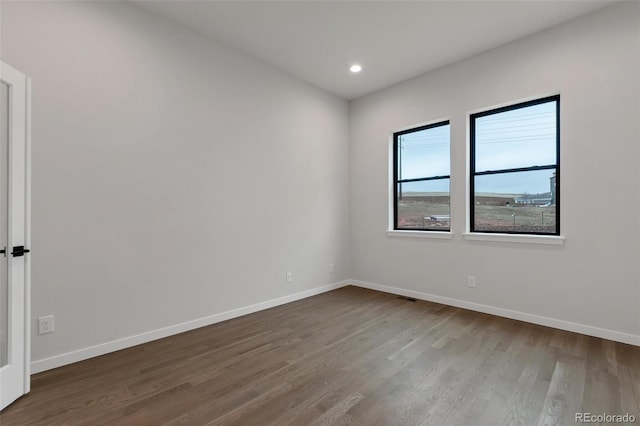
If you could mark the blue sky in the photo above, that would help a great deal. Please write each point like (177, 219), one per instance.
(511, 139)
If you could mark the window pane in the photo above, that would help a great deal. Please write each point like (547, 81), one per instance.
(424, 153)
(522, 137)
(522, 202)
(423, 205)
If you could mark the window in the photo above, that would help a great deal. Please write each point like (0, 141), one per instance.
(421, 178)
(515, 169)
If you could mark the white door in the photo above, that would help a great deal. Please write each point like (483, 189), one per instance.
(14, 236)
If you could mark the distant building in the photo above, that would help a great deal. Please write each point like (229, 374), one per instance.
(537, 199)
(546, 198)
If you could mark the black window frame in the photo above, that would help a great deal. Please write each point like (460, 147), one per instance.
(473, 174)
(398, 182)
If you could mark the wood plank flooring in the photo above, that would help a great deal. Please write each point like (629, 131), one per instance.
(350, 356)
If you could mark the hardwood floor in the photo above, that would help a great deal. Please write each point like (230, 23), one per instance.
(350, 356)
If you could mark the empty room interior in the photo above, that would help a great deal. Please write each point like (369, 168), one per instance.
(320, 212)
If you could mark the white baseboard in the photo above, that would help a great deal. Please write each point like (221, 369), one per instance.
(116, 345)
(617, 336)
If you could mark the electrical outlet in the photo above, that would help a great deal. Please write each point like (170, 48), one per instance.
(331, 269)
(289, 277)
(471, 281)
(46, 324)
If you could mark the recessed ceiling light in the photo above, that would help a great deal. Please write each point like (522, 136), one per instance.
(355, 68)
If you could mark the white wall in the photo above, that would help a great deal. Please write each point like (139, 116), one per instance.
(173, 179)
(593, 279)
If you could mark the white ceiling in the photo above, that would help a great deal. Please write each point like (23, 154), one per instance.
(317, 41)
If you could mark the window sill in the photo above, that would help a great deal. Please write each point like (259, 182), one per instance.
(511, 238)
(421, 234)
